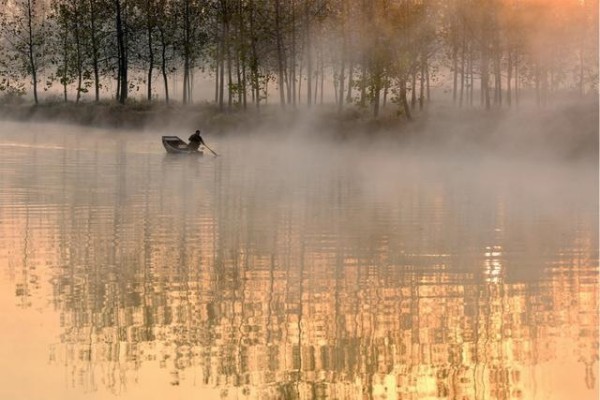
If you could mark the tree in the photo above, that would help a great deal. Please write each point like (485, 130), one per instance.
(24, 31)
(148, 13)
(122, 53)
(190, 37)
(72, 40)
(165, 24)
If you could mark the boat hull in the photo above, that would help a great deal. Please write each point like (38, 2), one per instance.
(174, 145)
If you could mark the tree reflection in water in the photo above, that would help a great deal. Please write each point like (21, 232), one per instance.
(266, 290)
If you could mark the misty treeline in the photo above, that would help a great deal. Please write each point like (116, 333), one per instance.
(367, 53)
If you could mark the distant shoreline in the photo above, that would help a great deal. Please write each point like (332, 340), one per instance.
(568, 130)
(321, 120)
(102, 114)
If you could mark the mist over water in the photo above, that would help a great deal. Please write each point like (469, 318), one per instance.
(292, 267)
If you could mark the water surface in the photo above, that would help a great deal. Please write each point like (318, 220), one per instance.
(286, 269)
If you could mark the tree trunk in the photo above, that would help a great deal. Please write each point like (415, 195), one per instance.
(471, 79)
(485, 93)
(278, 32)
(238, 71)
(149, 28)
(229, 69)
(335, 87)
(190, 85)
(378, 73)
(517, 80)
(293, 77)
(376, 96)
(316, 91)
(242, 45)
(244, 87)
(65, 63)
(79, 61)
(363, 83)
(123, 84)
(462, 73)
(497, 73)
(254, 58)
(322, 79)
(78, 55)
(31, 50)
(350, 71)
(427, 82)
(95, 55)
(308, 49)
(454, 71)
(413, 91)
(422, 82)
(340, 97)
(118, 81)
(509, 78)
(163, 64)
(217, 74)
(386, 88)
(186, 52)
(300, 67)
(404, 100)
(342, 57)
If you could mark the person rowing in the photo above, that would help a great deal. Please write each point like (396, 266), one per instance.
(195, 142)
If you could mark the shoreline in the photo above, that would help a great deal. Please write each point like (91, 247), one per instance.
(569, 130)
(140, 115)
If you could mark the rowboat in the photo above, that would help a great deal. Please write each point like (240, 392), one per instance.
(174, 145)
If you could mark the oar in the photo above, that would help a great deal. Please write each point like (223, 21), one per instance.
(211, 150)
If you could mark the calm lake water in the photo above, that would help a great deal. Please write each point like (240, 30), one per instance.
(290, 270)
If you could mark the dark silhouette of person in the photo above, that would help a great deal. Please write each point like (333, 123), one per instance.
(195, 141)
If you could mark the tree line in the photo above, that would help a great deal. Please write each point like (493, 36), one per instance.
(367, 53)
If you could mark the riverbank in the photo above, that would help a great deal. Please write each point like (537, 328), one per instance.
(142, 115)
(568, 130)
(132, 116)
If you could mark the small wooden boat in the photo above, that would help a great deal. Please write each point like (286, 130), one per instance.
(174, 145)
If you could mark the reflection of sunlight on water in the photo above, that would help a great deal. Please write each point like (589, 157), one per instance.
(251, 278)
(493, 264)
(32, 146)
